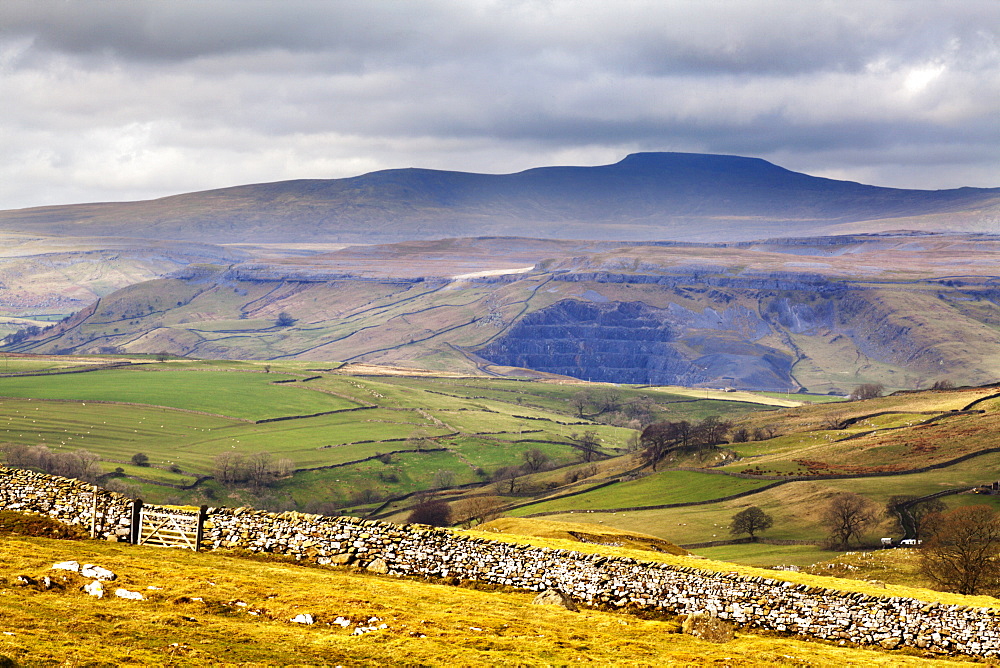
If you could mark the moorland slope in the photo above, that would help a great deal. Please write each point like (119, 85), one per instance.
(645, 196)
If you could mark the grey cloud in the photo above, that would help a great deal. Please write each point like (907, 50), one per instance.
(186, 95)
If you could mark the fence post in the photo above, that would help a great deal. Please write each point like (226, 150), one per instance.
(93, 515)
(202, 512)
(136, 522)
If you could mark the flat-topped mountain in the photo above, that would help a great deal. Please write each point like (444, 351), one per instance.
(646, 196)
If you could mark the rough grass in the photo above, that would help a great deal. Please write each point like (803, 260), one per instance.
(200, 613)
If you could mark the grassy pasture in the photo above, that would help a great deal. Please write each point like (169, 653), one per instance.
(903, 443)
(246, 395)
(656, 489)
(795, 507)
(765, 555)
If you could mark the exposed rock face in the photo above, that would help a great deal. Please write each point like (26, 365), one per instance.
(631, 342)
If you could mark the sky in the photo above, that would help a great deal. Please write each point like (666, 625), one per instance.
(133, 99)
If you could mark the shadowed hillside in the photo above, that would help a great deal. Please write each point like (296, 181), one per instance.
(645, 196)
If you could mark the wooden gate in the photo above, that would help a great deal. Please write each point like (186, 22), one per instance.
(168, 527)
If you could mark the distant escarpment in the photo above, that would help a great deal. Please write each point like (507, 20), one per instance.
(902, 310)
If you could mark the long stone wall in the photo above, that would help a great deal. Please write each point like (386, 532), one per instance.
(416, 551)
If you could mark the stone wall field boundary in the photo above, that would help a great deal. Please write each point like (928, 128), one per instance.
(614, 582)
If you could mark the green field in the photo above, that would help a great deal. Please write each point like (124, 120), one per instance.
(657, 489)
(235, 393)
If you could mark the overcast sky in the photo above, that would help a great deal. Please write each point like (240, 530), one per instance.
(133, 99)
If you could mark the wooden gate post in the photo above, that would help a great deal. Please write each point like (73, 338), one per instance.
(202, 512)
(136, 528)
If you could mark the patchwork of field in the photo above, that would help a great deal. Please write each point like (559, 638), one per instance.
(347, 439)
(367, 443)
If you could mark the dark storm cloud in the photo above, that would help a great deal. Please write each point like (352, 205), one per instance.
(111, 100)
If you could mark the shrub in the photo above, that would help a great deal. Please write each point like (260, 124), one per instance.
(434, 512)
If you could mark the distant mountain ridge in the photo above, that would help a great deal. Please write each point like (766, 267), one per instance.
(645, 196)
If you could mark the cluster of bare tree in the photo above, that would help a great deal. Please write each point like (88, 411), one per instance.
(607, 405)
(78, 464)
(661, 439)
(256, 470)
(866, 391)
(849, 515)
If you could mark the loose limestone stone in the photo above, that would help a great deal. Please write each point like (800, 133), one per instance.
(555, 597)
(378, 566)
(704, 626)
(95, 588)
(73, 566)
(97, 572)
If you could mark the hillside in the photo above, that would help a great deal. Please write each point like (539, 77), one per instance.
(645, 196)
(824, 314)
(938, 443)
(221, 608)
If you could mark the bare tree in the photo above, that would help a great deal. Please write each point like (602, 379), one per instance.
(507, 479)
(477, 510)
(834, 421)
(764, 433)
(943, 384)
(443, 478)
(228, 467)
(848, 515)
(740, 435)
(535, 460)
(79, 464)
(963, 555)
(611, 400)
(588, 444)
(581, 401)
(284, 467)
(259, 470)
(660, 438)
(750, 521)
(640, 408)
(420, 439)
(866, 391)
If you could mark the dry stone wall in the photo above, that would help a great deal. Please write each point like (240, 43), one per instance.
(69, 501)
(616, 582)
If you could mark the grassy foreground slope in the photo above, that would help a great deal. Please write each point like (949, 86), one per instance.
(211, 608)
